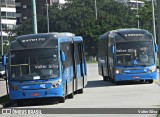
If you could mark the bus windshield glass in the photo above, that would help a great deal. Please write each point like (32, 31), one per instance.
(34, 64)
(134, 53)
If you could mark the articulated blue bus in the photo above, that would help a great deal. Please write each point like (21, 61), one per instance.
(46, 65)
(126, 55)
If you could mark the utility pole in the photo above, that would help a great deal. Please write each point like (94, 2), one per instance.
(95, 2)
(137, 15)
(1, 29)
(47, 15)
(34, 17)
(153, 21)
(158, 22)
(158, 19)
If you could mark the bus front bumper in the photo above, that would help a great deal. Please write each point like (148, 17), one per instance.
(131, 77)
(29, 94)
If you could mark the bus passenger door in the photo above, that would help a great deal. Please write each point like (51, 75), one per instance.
(79, 84)
(74, 66)
(82, 63)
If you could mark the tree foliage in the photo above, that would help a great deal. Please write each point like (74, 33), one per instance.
(78, 16)
(145, 18)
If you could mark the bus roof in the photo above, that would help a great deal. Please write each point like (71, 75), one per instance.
(131, 34)
(56, 34)
(44, 40)
(129, 30)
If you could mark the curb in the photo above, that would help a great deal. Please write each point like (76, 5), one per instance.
(157, 82)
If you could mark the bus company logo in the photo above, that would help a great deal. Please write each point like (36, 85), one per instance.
(134, 35)
(6, 111)
(21, 111)
(33, 40)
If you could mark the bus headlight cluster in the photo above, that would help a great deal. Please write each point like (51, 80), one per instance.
(118, 71)
(56, 83)
(13, 87)
(152, 69)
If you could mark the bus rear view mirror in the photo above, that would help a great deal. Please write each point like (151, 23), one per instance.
(63, 57)
(112, 49)
(156, 48)
(4, 60)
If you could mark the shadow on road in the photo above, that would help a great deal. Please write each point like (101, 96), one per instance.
(101, 83)
(132, 83)
(36, 102)
(98, 83)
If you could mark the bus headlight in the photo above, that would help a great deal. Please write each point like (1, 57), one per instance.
(56, 83)
(152, 69)
(118, 71)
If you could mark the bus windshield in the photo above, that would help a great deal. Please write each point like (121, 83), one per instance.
(34, 64)
(134, 53)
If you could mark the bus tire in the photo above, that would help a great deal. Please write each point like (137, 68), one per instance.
(105, 78)
(71, 96)
(112, 80)
(80, 91)
(109, 78)
(62, 99)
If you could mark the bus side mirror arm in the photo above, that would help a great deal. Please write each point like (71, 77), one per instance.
(63, 57)
(112, 49)
(4, 60)
(156, 48)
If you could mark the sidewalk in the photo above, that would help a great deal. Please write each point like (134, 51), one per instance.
(158, 78)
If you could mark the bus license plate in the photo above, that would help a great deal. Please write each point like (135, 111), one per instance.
(35, 94)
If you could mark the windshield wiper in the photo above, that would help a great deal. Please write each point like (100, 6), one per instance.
(27, 77)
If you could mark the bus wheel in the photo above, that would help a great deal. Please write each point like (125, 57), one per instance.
(62, 99)
(112, 80)
(105, 78)
(150, 81)
(80, 91)
(71, 96)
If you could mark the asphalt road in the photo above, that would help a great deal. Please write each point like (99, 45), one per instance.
(100, 94)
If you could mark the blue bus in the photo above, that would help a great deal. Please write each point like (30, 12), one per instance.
(46, 65)
(127, 55)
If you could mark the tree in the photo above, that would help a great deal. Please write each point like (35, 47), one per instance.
(78, 16)
(146, 17)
